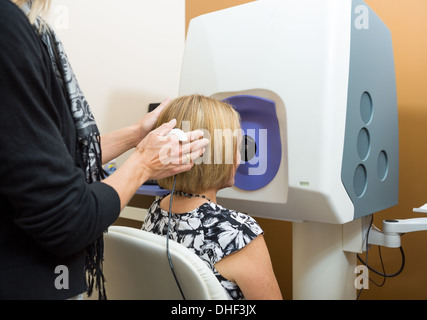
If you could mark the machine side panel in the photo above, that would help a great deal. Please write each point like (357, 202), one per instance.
(370, 167)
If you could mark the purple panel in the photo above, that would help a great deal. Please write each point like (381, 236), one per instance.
(259, 122)
(152, 190)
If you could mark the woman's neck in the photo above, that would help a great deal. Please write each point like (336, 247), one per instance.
(183, 204)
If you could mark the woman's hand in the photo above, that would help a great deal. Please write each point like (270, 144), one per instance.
(119, 141)
(157, 156)
(147, 123)
(164, 155)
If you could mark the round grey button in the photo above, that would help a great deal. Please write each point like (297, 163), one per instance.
(360, 181)
(366, 108)
(382, 165)
(363, 144)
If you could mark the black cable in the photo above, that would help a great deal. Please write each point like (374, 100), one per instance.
(367, 249)
(167, 240)
(383, 274)
(382, 267)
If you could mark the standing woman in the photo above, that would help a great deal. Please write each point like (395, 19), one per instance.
(55, 202)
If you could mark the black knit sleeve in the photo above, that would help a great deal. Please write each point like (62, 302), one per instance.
(41, 188)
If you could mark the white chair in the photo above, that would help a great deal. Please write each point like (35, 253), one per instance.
(136, 268)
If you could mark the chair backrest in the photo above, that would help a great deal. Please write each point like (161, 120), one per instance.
(136, 267)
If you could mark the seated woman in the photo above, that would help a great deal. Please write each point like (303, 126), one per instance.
(230, 242)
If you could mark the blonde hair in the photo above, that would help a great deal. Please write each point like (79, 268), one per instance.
(38, 7)
(221, 124)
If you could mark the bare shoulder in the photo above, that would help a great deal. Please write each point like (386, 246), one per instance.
(252, 270)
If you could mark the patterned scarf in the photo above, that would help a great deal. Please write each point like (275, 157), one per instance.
(89, 156)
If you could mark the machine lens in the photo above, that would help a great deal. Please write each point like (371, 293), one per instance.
(248, 149)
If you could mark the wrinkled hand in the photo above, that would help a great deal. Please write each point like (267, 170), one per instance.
(147, 123)
(164, 155)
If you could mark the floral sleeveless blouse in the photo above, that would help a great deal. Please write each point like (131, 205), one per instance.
(211, 231)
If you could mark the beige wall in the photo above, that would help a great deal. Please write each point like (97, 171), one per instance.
(126, 54)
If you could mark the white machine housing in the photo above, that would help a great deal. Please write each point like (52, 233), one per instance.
(328, 67)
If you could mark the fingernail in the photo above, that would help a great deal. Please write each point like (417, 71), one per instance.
(199, 133)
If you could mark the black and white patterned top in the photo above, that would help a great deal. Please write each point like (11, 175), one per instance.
(211, 231)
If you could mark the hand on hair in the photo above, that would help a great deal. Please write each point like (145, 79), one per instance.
(148, 122)
(165, 155)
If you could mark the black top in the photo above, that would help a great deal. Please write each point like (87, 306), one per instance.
(48, 213)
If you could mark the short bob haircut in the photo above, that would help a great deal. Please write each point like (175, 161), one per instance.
(221, 125)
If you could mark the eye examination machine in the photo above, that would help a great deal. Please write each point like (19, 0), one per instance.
(314, 83)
